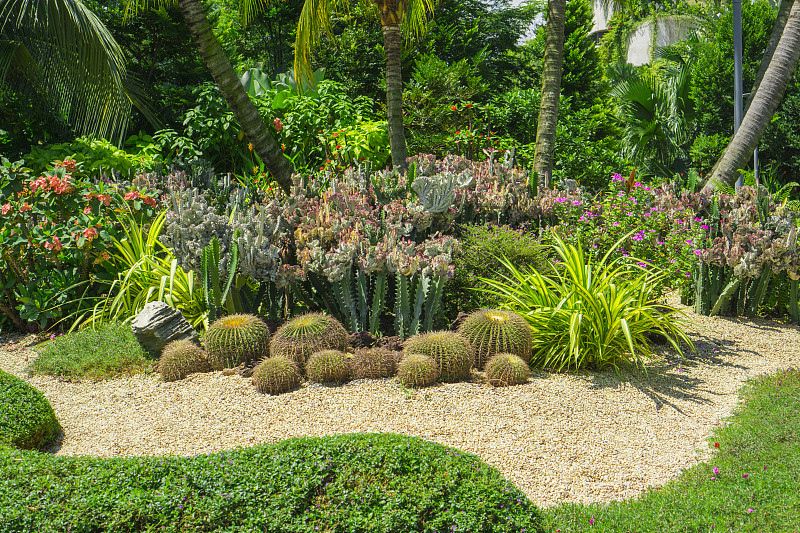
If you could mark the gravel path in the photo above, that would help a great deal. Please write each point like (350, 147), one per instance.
(584, 437)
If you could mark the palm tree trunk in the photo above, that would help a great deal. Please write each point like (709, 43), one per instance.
(765, 102)
(551, 92)
(228, 82)
(392, 41)
(774, 38)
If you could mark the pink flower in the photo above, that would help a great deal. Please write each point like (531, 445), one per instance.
(5, 209)
(87, 210)
(716, 470)
(24, 207)
(90, 233)
(279, 125)
(749, 511)
(133, 195)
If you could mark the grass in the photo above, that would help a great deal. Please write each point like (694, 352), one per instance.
(752, 482)
(109, 350)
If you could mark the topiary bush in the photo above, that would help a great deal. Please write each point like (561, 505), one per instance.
(27, 419)
(328, 366)
(506, 369)
(313, 332)
(236, 339)
(181, 358)
(276, 375)
(359, 483)
(417, 370)
(373, 363)
(453, 353)
(492, 331)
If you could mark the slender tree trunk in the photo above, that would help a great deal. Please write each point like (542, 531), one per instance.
(551, 91)
(765, 102)
(392, 42)
(228, 82)
(774, 38)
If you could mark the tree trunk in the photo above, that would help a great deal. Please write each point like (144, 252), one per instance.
(774, 38)
(551, 91)
(228, 82)
(765, 102)
(392, 42)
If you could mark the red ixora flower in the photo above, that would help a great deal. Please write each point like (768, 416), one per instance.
(454, 108)
(5, 209)
(716, 445)
(133, 195)
(25, 207)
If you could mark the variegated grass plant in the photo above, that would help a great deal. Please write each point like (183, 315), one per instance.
(590, 314)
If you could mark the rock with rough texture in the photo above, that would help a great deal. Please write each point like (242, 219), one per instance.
(159, 324)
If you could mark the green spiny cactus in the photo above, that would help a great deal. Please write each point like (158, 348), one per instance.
(181, 358)
(328, 366)
(417, 370)
(452, 352)
(275, 375)
(506, 369)
(236, 339)
(313, 332)
(492, 331)
(373, 363)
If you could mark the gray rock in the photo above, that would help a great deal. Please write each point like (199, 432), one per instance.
(158, 324)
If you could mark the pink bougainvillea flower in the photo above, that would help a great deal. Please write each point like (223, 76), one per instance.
(716, 470)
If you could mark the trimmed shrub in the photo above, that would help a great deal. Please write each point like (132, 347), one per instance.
(417, 370)
(181, 358)
(373, 363)
(328, 366)
(236, 339)
(506, 369)
(492, 331)
(359, 483)
(452, 352)
(313, 332)
(275, 375)
(27, 419)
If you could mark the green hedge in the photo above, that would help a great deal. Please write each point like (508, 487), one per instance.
(26, 418)
(345, 483)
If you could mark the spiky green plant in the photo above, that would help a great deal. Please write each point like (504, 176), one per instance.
(492, 331)
(328, 366)
(181, 358)
(506, 369)
(373, 363)
(313, 332)
(453, 353)
(236, 339)
(275, 375)
(417, 370)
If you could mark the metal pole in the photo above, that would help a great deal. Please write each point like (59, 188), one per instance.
(737, 72)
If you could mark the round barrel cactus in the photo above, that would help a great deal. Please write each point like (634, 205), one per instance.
(181, 358)
(417, 370)
(275, 375)
(373, 363)
(506, 369)
(302, 336)
(328, 366)
(236, 339)
(452, 352)
(493, 331)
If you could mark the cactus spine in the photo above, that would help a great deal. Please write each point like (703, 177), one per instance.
(493, 331)
(181, 358)
(236, 339)
(452, 353)
(276, 375)
(302, 336)
(417, 370)
(506, 369)
(328, 366)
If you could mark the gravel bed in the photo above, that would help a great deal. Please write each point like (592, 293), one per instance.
(582, 437)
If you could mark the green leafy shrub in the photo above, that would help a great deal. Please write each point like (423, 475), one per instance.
(589, 314)
(275, 375)
(493, 331)
(328, 366)
(181, 358)
(26, 418)
(417, 370)
(236, 339)
(373, 363)
(453, 353)
(376, 483)
(505, 369)
(106, 351)
(302, 336)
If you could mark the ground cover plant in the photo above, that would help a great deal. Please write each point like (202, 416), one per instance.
(750, 484)
(345, 483)
(27, 420)
(107, 351)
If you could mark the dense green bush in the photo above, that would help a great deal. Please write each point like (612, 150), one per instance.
(26, 418)
(109, 350)
(345, 483)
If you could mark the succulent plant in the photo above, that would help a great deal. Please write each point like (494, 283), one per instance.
(373, 363)
(181, 358)
(417, 370)
(328, 366)
(492, 331)
(452, 353)
(275, 375)
(236, 339)
(302, 336)
(506, 369)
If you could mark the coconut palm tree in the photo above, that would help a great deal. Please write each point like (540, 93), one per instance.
(61, 52)
(763, 105)
(315, 20)
(551, 91)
